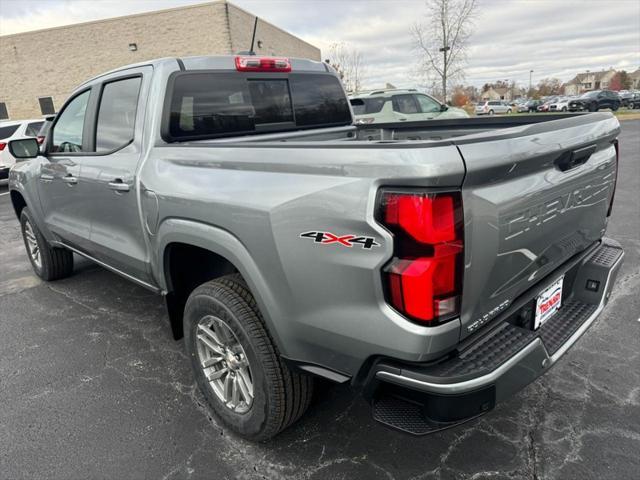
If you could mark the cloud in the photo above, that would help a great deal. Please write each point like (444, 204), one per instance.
(510, 37)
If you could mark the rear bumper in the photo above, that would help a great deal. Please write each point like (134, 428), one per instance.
(420, 399)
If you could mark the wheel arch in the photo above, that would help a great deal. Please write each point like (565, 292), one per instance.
(203, 253)
(18, 202)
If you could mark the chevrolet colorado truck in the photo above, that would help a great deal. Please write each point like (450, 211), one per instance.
(438, 267)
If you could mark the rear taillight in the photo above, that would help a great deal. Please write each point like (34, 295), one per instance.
(262, 64)
(615, 178)
(424, 278)
(2, 145)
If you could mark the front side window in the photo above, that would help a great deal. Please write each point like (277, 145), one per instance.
(404, 104)
(117, 114)
(33, 129)
(427, 104)
(67, 133)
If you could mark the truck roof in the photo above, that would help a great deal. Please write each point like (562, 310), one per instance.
(216, 62)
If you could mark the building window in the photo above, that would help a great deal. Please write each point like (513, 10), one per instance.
(4, 115)
(46, 106)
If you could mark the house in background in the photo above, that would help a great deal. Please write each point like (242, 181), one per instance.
(583, 82)
(497, 93)
(635, 80)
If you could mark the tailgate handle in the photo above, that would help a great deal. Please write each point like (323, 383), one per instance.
(570, 160)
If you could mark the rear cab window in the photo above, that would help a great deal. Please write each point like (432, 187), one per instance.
(209, 104)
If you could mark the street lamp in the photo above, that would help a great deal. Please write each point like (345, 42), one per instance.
(444, 50)
(530, 72)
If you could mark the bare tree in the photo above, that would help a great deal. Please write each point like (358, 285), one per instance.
(349, 64)
(442, 40)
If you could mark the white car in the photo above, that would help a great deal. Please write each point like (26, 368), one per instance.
(491, 107)
(12, 130)
(560, 105)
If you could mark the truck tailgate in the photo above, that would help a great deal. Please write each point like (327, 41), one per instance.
(533, 197)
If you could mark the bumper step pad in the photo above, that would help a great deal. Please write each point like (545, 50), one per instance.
(407, 411)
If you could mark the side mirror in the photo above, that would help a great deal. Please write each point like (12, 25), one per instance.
(443, 108)
(24, 148)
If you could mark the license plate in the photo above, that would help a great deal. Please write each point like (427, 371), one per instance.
(548, 303)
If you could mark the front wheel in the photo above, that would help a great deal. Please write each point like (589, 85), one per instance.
(236, 363)
(564, 109)
(615, 107)
(48, 262)
(593, 107)
(490, 112)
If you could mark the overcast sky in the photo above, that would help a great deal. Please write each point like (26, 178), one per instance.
(556, 38)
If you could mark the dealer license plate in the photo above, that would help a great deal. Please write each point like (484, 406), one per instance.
(548, 303)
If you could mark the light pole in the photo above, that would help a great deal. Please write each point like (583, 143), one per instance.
(530, 72)
(444, 50)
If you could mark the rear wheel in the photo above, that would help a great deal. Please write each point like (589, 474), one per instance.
(236, 363)
(508, 111)
(49, 263)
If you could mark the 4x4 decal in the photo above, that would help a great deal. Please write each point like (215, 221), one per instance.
(328, 238)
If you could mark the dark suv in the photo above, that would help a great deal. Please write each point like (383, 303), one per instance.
(595, 100)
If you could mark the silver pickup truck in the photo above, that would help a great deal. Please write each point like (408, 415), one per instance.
(438, 267)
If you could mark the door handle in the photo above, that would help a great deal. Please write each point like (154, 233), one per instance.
(119, 186)
(70, 180)
(45, 177)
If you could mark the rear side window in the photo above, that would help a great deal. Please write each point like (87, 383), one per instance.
(363, 106)
(6, 132)
(210, 104)
(33, 129)
(117, 114)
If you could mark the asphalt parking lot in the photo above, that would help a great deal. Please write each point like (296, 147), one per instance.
(93, 386)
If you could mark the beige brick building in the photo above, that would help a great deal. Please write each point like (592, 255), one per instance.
(52, 62)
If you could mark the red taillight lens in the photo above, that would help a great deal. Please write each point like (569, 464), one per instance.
(424, 279)
(615, 180)
(2, 145)
(263, 64)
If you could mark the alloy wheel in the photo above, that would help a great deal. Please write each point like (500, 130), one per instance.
(224, 364)
(32, 245)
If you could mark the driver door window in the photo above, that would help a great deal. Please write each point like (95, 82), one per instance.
(67, 132)
(428, 105)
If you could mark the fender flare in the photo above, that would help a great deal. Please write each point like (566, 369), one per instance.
(225, 244)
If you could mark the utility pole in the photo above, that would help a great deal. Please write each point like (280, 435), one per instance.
(444, 50)
(530, 72)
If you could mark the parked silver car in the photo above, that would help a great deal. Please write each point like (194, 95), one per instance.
(491, 107)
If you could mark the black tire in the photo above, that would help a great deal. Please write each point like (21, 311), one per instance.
(564, 109)
(593, 107)
(615, 107)
(490, 112)
(281, 395)
(54, 263)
